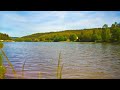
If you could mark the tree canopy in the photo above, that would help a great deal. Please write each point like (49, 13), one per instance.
(4, 37)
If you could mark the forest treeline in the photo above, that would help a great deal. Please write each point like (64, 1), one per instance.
(4, 36)
(103, 34)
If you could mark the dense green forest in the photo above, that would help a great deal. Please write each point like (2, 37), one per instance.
(103, 34)
(4, 36)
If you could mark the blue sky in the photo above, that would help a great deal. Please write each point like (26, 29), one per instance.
(21, 23)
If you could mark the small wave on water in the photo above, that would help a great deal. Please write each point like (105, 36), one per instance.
(81, 60)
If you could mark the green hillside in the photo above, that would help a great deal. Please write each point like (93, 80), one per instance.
(57, 36)
(104, 34)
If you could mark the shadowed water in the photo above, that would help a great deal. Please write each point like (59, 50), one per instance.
(81, 60)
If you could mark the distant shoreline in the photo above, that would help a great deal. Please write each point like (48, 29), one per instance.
(63, 41)
(7, 41)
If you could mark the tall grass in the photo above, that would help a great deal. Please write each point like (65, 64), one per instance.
(2, 68)
(59, 67)
(3, 53)
(61, 71)
(23, 69)
(1, 61)
(40, 75)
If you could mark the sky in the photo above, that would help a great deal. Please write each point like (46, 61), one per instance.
(22, 23)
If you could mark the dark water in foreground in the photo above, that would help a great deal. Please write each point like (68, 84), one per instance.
(81, 60)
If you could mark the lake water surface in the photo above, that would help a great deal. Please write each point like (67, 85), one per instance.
(81, 60)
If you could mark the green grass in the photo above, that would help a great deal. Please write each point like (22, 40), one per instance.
(1, 61)
(2, 72)
(59, 67)
(23, 69)
(2, 68)
(1, 45)
(61, 71)
(40, 75)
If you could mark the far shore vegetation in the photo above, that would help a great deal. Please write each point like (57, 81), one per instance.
(103, 34)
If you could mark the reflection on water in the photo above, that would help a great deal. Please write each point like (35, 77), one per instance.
(81, 60)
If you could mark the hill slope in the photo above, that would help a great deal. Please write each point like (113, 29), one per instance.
(67, 35)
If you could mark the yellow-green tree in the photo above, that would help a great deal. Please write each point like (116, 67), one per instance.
(105, 33)
(73, 37)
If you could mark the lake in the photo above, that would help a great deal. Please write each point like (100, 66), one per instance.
(82, 60)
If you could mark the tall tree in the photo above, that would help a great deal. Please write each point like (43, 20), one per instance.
(105, 33)
(94, 36)
(115, 32)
